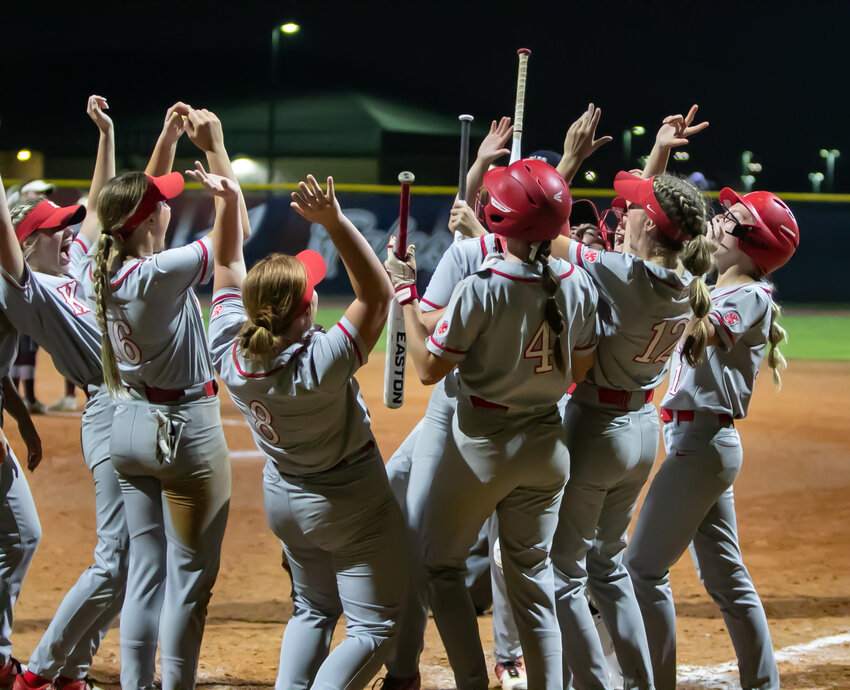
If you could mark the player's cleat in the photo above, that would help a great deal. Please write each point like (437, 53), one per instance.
(30, 681)
(390, 683)
(511, 675)
(35, 407)
(9, 673)
(67, 403)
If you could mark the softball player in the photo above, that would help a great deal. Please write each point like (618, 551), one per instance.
(327, 496)
(167, 443)
(511, 329)
(691, 497)
(43, 299)
(20, 530)
(411, 471)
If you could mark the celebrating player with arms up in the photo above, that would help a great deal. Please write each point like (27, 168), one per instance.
(691, 496)
(519, 331)
(167, 443)
(327, 497)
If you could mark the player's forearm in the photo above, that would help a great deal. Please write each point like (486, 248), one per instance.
(227, 246)
(417, 334)
(104, 170)
(219, 163)
(11, 257)
(474, 180)
(657, 161)
(367, 274)
(162, 158)
(13, 404)
(568, 167)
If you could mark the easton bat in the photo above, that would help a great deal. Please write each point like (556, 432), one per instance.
(396, 353)
(465, 125)
(516, 144)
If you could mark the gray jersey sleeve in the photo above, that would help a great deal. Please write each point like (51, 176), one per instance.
(79, 249)
(464, 319)
(735, 312)
(612, 272)
(226, 318)
(184, 267)
(460, 260)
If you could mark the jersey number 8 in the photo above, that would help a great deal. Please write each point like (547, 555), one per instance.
(261, 420)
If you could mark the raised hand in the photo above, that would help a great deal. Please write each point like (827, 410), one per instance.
(314, 205)
(462, 219)
(204, 129)
(676, 129)
(175, 121)
(220, 186)
(95, 108)
(581, 142)
(493, 145)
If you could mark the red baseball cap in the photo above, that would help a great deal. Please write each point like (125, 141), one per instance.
(49, 216)
(638, 190)
(316, 270)
(159, 189)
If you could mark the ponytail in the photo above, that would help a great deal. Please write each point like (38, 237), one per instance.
(696, 258)
(102, 289)
(552, 311)
(256, 339)
(775, 336)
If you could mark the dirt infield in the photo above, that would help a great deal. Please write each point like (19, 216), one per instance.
(793, 500)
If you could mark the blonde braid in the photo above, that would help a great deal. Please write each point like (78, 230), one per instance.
(102, 290)
(776, 335)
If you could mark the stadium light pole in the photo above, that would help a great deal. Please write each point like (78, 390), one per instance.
(288, 29)
(830, 155)
(816, 178)
(637, 131)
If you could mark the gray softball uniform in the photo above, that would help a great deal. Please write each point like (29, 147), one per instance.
(168, 448)
(411, 471)
(505, 453)
(691, 496)
(20, 530)
(327, 497)
(53, 311)
(612, 429)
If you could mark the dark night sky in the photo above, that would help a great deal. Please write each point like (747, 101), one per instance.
(770, 76)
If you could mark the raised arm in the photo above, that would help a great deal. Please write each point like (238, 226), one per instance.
(11, 257)
(204, 129)
(674, 131)
(581, 142)
(372, 288)
(104, 165)
(162, 158)
(492, 148)
(226, 234)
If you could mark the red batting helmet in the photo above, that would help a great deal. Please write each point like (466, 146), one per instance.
(775, 235)
(527, 200)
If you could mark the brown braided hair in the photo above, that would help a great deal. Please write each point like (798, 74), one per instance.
(685, 206)
(117, 202)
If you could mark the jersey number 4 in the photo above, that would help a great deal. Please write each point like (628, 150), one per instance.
(665, 336)
(541, 348)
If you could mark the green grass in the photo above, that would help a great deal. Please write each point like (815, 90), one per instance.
(810, 335)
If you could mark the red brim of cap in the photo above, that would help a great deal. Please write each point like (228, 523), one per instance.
(619, 202)
(638, 191)
(49, 216)
(170, 185)
(316, 267)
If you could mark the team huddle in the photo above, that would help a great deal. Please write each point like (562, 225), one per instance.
(545, 330)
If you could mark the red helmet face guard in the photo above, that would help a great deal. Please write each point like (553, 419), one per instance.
(774, 237)
(528, 200)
